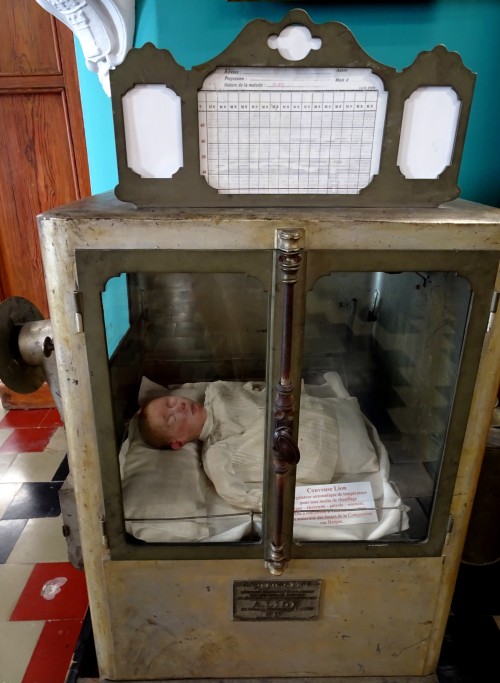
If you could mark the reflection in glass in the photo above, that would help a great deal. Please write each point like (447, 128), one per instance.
(380, 364)
(199, 342)
(393, 342)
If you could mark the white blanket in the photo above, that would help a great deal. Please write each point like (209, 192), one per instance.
(168, 497)
(333, 440)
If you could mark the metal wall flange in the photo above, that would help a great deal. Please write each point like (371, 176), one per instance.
(27, 358)
(15, 372)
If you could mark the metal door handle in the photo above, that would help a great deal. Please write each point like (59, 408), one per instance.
(285, 448)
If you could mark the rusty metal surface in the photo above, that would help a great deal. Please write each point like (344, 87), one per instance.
(71, 529)
(323, 679)
(103, 222)
(173, 619)
(379, 617)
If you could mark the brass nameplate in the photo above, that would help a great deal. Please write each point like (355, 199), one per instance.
(276, 600)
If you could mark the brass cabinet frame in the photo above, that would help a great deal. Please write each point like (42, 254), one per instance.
(95, 267)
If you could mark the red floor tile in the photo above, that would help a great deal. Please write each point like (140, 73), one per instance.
(22, 419)
(52, 419)
(27, 440)
(70, 602)
(53, 653)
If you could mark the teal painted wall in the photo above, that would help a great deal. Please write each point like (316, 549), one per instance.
(393, 33)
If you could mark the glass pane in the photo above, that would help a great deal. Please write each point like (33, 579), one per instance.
(115, 304)
(197, 349)
(381, 360)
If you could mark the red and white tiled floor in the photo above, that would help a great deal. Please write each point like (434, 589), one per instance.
(43, 599)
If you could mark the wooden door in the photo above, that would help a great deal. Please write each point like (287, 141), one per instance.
(43, 157)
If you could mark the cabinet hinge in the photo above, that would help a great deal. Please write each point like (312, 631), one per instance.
(77, 298)
(449, 530)
(493, 309)
(104, 532)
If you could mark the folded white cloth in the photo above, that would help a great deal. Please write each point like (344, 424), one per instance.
(333, 440)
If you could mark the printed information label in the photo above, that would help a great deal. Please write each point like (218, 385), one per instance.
(332, 504)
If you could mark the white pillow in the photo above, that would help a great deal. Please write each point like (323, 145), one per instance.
(164, 491)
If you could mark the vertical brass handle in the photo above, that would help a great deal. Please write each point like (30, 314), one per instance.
(284, 449)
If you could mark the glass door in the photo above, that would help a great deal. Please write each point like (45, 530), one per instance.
(180, 404)
(376, 391)
(333, 386)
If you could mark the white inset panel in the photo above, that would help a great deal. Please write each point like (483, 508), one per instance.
(428, 132)
(153, 130)
(294, 42)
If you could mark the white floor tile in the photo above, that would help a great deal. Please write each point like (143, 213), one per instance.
(13, 578)
(58, 441)
(7, 493)
(17, 642)
(41, 541)
(5, 462)
(5, 433)
(33, 467)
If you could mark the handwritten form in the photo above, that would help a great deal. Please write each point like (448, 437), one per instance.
(290, 130)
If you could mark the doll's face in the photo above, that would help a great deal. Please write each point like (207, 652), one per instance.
(176, 419)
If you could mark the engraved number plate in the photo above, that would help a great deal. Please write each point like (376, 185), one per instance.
(276, 600)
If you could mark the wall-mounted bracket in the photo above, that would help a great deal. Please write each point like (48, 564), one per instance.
(27, 357)
(104, 28)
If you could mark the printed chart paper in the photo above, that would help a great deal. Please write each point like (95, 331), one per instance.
(290, 130)
(332, 504)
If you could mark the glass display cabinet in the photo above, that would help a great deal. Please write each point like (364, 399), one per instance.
(291, 297)
(363, 336)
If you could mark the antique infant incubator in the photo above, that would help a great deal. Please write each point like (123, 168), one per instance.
(305, 242)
